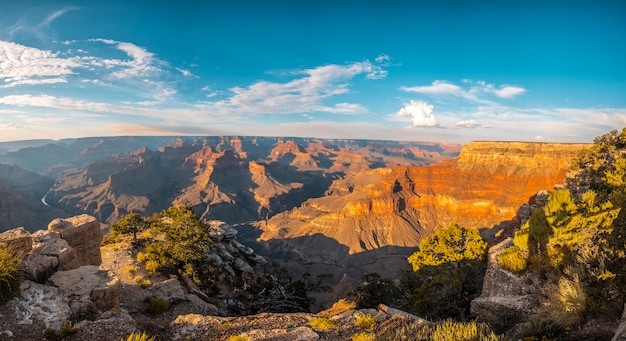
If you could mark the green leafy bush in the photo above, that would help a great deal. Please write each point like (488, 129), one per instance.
(448, 271)
(130, 223)
(157, 306)
(10, 273)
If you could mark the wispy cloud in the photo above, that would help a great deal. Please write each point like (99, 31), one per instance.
(308, 92)
(474, 91)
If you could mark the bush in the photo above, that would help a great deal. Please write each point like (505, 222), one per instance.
(363, 337)
(157, 306)
(566, 301)
(323, 324)
(541, 328)
(447, 330)
(145, 283)
(68, 328)
(139, 337)
(238, 338)
(366, 321)
(512, 259)
(10, 273)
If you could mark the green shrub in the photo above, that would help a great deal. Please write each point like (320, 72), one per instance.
(541, 328)
(323, 324)
(447, 330)
(566, 301)
(512, 259)
(157, 306)
(366, 321)
(139, 337)
(49, 333)
(152, 266)
(238, 338)
(68, 328)
(10, 273)
(141, 256)
(363, 337)
(144, 283)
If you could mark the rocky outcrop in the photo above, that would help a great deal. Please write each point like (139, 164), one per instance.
(83, 233)
(90, 291)
(236, 261)
(50, 253)
(506, 298)
(17, 240)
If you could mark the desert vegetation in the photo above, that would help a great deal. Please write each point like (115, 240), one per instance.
(10, 273)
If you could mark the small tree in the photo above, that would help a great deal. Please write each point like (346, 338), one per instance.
(130, 223)
(448, 271)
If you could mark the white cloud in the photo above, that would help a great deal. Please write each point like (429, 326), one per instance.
(473, 91)
(467, 124)
(382, 58)
(420, 114)
(307, 93)
(21, 65)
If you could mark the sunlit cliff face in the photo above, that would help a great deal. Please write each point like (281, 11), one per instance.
(484, 186)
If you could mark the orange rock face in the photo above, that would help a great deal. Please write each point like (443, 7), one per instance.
(484, 186)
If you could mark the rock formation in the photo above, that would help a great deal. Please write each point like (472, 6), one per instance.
(506, 298)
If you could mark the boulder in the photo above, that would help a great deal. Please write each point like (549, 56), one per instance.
(109, 326)
(91, 290)
(18, 239)
(47, 256)
(170, 290)
(81, 233)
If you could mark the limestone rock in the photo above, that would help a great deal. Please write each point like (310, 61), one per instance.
(18, 239)
(38, 302)
(170, 290)
(91, 290)
(506, 298)
(47, 256)
(83, 234)
(110, 325)
(201, 306)
(302, 333)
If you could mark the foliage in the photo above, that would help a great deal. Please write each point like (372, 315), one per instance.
(566, 301)
(448, 330)
(10, 273)
(366, 321)
(139, 337)
(448, 272)
(452, 244)
(238, 338)
(376, 290)
(512, 259)
(130, 223)
(363, 337)
(68, 328)
(157, 306)
(323, 324)
(541, 327)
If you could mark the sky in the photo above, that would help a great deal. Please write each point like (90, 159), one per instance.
(442, 71)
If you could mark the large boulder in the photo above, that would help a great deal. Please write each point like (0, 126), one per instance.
(620, 334)
(82, 233)
(91, 291)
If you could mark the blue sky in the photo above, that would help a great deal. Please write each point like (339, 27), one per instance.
(448, 71)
